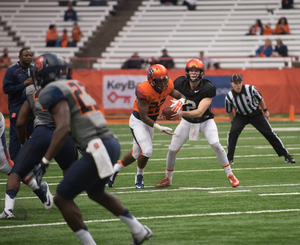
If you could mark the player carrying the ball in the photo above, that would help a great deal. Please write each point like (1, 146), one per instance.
(196, 118)
(150, 95)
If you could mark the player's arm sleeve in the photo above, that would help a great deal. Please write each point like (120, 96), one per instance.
(211, 92)
(140, 94)
(50, 97)
(228, 104)
(255, 93)
(8, 84)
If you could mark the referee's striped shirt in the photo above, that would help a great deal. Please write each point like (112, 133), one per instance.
(245, 103)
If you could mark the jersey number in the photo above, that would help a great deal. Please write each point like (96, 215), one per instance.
(84, 101)
(155, 107)
(190, 105)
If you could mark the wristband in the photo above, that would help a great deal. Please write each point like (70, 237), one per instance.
(45, 161)
(157, 126)
(265, 109)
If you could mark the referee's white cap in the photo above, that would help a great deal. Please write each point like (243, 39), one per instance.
(236, 77)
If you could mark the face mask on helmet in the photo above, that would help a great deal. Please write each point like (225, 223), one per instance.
(194, 64)
(158, 78)
(49, 67)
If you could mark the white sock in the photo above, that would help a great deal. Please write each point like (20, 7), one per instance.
(85, 237)
(9, 202)
(119, 166)
(133, 224)
(171, 161)
(222, 157)
(140, 170)
(227, 169)
(169, 173)
(33, 184)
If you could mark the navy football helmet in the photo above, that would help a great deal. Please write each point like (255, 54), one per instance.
(196, 64)
(158, 77)
(49, 67)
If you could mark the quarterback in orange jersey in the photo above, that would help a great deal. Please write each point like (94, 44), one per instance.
(150, 95)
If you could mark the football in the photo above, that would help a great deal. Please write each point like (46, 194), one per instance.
(167, 112)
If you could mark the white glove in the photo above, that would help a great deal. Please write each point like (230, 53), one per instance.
(177, 104)
(163, 129)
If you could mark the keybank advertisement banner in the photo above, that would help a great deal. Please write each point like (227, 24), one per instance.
(223, 86)
(119, 90)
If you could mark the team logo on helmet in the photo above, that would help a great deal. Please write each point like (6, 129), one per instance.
(39, 63)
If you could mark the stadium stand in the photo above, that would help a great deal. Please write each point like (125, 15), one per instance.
(217, 27)
(29, 20)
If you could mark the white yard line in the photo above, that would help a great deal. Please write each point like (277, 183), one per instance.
(280, 194)
(159, 217)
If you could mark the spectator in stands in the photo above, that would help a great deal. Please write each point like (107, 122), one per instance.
(76, 34)
(265, 50)
(282, 27)
(5, 60)
(287, 4)
(70, 14)
(256, 29)
(191, 4)
(52, 36)
(208, 63)
(64, 39)
(268, 30)
(168, 2)
(281, 49)
(134, 62)
(166, 60)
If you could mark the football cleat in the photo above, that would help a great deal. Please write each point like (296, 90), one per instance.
(111, 179)
(233, 180)
(8, 214)
(144, 235)
(164, 183)
(47, 198)
(139, 181)
(231, 162)
(289, 159)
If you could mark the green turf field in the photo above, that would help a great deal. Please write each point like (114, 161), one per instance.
(199, 208)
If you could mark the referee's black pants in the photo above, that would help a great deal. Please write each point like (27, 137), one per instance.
(262, 125)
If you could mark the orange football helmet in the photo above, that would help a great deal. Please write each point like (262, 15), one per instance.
(197, 64)
(158, 77)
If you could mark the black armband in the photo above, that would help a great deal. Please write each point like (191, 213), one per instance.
(266, 109)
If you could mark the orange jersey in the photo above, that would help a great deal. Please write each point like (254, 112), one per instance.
(278, 29)
(51, 35)
(155, 100)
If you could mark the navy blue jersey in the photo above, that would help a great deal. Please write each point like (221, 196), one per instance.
(87, 121)
(13, 85)
(205, 89)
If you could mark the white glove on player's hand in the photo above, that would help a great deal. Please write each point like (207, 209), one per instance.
(177, 104)
(163, 129)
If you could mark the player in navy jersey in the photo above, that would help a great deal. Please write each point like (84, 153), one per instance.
(34, 149)
(196, 118)
(6, 165)
(74, 110)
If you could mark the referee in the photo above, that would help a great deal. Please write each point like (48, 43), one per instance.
(245, 99)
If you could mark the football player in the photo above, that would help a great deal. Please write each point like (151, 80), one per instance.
(34, 149)
(6, 165)
(150, 95)
(196, 118)
(73, 109)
